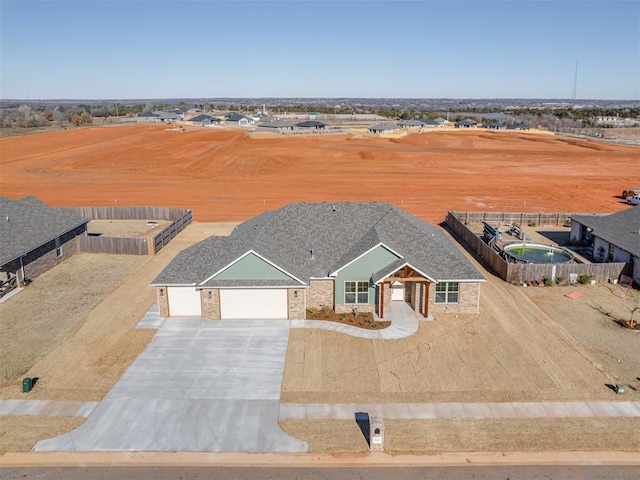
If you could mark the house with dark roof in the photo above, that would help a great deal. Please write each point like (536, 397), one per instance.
(235, 117)
(344, 256)
(33, 238)
(310, 125)
(413, 123)
(203, 120)
(273, 125)
(467, 123)
(614, 237)
(384, 127)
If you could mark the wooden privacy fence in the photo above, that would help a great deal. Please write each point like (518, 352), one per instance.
(519, 273)
(179, 217)
(471, 218)
(115, 245)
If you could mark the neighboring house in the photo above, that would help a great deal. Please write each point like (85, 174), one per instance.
(34, 237)
(517, 126)
(468, 123)
(204, 120)
(169, 117)
(235, 117)
(384, 127)
(430, 123)
(495, 126)
(279, 126)
(614, 237)
(147, 117)
(313, 255)
(413, 123)
(311, 125)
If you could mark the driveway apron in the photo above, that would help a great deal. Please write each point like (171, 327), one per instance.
(198, 386)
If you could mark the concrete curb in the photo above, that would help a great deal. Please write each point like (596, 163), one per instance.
(112, 459)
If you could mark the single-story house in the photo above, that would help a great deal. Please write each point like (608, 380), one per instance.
(413, 123)
(235, 117)
(614, 237)
(384, 127)
(344, 256)
(147, 117)
(204, 120)
(280, 126)
(311, 125)
(495, 126)
(34, 237)
(468, 123)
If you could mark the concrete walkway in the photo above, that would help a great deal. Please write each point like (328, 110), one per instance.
(404, 322)
(47, 408)
(198, 386)
(426, 411)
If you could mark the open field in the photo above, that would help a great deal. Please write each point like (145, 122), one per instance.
(226, 175)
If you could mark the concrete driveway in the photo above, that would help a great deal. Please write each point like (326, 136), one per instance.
(199, 386)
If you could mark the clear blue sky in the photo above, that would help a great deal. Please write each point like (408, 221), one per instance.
(93, 49)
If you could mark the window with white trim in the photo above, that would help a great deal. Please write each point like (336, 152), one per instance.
(447, 292)
(58, 248)
(356, 292)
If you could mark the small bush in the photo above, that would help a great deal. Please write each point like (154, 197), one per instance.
(584, 279)
(533, 224)
(548, 281)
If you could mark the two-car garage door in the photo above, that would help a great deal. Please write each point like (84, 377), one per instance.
(234, 303)
(253, 303)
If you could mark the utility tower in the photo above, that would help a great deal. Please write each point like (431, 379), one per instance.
(575, 83)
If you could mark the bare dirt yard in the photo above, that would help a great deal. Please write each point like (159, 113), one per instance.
(226, 175)
(126, 228)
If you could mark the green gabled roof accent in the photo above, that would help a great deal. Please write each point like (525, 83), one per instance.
(251, 267)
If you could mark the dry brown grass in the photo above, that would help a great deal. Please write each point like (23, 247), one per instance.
(52, 308)
(327, 435)
(85, 365)
(533, 434)
(510, 352)
(20, 433)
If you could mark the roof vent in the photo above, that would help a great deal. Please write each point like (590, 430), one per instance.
(311, 255)
(7, 218)
(255, 227)
(333, 207)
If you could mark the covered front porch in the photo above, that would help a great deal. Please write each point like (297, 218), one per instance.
(403, 285)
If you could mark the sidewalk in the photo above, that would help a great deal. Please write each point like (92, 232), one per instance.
(47, 408)
(426, 411)
(404, 322)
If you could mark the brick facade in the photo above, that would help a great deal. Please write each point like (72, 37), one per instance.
(468, 300)
(45, 257)
(320, 294)
(163, 301)
(296, 303)
(210, 299)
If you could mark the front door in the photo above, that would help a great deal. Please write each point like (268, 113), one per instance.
(397, 291)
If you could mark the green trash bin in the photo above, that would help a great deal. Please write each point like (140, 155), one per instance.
(27, 385)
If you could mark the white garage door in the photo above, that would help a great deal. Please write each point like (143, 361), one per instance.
(253, 303)
(184, 301)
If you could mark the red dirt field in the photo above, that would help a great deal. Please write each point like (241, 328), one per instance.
(227, 175)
